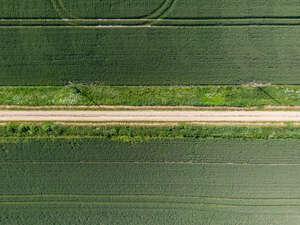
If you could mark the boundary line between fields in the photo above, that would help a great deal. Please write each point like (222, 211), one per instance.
(146, 26)
(146, 162)
(152, 19)
(140, 196)
(142, 203)
(116, 23)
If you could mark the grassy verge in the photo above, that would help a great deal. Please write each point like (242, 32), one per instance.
(88, 95)
(136, 134)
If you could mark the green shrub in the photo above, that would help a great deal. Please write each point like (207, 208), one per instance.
(23, 129)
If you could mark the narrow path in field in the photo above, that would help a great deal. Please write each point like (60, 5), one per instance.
(150, 116)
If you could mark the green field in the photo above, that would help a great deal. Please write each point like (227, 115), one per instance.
(149, 56)
(55, 9)
(234, 9)
(145, 8)
(88, 181)
(149, 53)
(111, 42)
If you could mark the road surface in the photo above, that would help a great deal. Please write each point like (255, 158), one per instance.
(150, 115)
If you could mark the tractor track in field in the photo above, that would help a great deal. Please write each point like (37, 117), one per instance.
(144, 199)
(155, 22)
(63, 13)
(161, 163)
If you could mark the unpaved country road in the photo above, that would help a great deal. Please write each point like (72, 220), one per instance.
(150, 115)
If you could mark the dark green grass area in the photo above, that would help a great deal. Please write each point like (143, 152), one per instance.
(233, 9)
(145, 133)
(197, 9)
(89, 181)
(93, 95)
(148, 214)
(142, 8)
(37, 55)
(56, 9)
(48, 149)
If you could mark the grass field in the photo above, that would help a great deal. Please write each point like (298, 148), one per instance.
(94, 95)
(88, 181)
(136, 134)
(149, 56)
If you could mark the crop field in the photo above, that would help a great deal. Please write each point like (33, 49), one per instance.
(55, 56)
(117, 52)
(142, 9)
(149, 42)
(96, 181)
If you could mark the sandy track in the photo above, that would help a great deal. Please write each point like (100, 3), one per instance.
(150, 115)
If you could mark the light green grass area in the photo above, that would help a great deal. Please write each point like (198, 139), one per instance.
(149, 55)
(192, 96)
(39, 96)
(93, 95)
(95, 181)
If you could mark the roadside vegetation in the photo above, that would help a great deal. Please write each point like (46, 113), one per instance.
(144, 133)
(93, 95)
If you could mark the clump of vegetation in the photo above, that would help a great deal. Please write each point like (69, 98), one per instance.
(87, 95)
(140, 133)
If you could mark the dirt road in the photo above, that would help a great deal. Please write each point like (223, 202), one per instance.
(150, 115)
